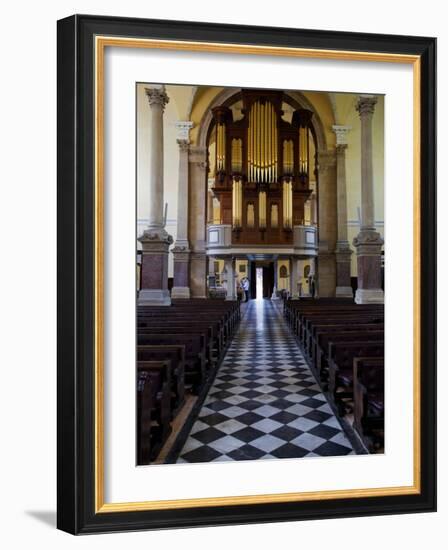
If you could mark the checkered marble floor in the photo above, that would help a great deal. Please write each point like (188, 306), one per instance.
(264, 402)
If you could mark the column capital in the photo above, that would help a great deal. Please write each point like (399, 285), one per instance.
(157, 96)
(341, 134)
(183, 128)
(366, 105)
(184, 145)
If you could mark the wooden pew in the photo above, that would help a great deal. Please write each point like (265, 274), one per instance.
(306, 321)
(348, 336)
(195, 363)
(176, 356)
(220, 328)
(212, 339)
(153, 409)
(329, 326)
(368, 394)
(340, 366)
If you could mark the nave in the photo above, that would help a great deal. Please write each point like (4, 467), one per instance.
(264, 401)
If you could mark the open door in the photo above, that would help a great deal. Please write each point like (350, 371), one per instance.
(253, 281)
(268, 280)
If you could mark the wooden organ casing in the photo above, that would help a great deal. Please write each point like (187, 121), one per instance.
(262, 168)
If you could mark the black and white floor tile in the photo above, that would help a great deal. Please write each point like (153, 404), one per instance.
(264, 402)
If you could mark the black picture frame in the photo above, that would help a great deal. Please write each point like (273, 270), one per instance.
(76, 254)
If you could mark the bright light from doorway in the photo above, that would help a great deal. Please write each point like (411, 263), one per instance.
(259, 287)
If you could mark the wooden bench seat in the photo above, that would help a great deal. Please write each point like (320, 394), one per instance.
(368, 395)
(350, 336)
(329, 326)
(153, 409)
(340, 367)
(195, 361)
(176, 356)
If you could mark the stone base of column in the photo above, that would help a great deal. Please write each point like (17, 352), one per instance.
(368, 248)
(343, 268)
(344, 292)
(369, 296)
(154, 297)
(274, 294)
(198, 275)
(180, 293)
(326, 274)
(154, 287)
(181, 259)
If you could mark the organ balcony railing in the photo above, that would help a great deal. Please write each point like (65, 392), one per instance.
(219, 242)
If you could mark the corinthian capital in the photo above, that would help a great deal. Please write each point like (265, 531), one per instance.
(157, 96)
(183, 128)
(341, 133)
(366, 105)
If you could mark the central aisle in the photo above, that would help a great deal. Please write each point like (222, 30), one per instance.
(264, 401)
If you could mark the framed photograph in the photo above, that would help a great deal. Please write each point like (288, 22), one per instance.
(246, 274)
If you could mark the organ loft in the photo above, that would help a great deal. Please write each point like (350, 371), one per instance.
(262, 167)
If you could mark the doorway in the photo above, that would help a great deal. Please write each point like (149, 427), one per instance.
(261, 280)
(259, 283)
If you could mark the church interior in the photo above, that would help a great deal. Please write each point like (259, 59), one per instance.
(260, 274)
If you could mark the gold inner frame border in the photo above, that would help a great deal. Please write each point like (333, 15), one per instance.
(100, 44)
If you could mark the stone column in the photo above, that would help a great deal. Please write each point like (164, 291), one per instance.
(197, 220)
(368, 243)
(211, 265)
(294, 277)
(229, 266)
(181, 250)
(300, 271)
(327, 223)
(343, 250)
(312, 278)
(274, 291)
(155, 240)
(209, 207)
(313, 209)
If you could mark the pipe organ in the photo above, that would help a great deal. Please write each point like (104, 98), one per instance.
(262, 167)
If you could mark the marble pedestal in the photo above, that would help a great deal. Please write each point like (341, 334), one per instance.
(154, 286)
(343, 265)
(368, 249)
(181, 258)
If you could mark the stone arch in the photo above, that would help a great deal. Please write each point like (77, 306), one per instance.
(326, 179)
(297, 99)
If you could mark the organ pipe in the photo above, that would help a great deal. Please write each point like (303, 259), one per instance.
(274, 216)
(237, 203)
(237, 155)
(262, 209)
(250, 215)
(303, 150)
(262, 143)
(287, 204)
(288, 157)
(220, 147)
